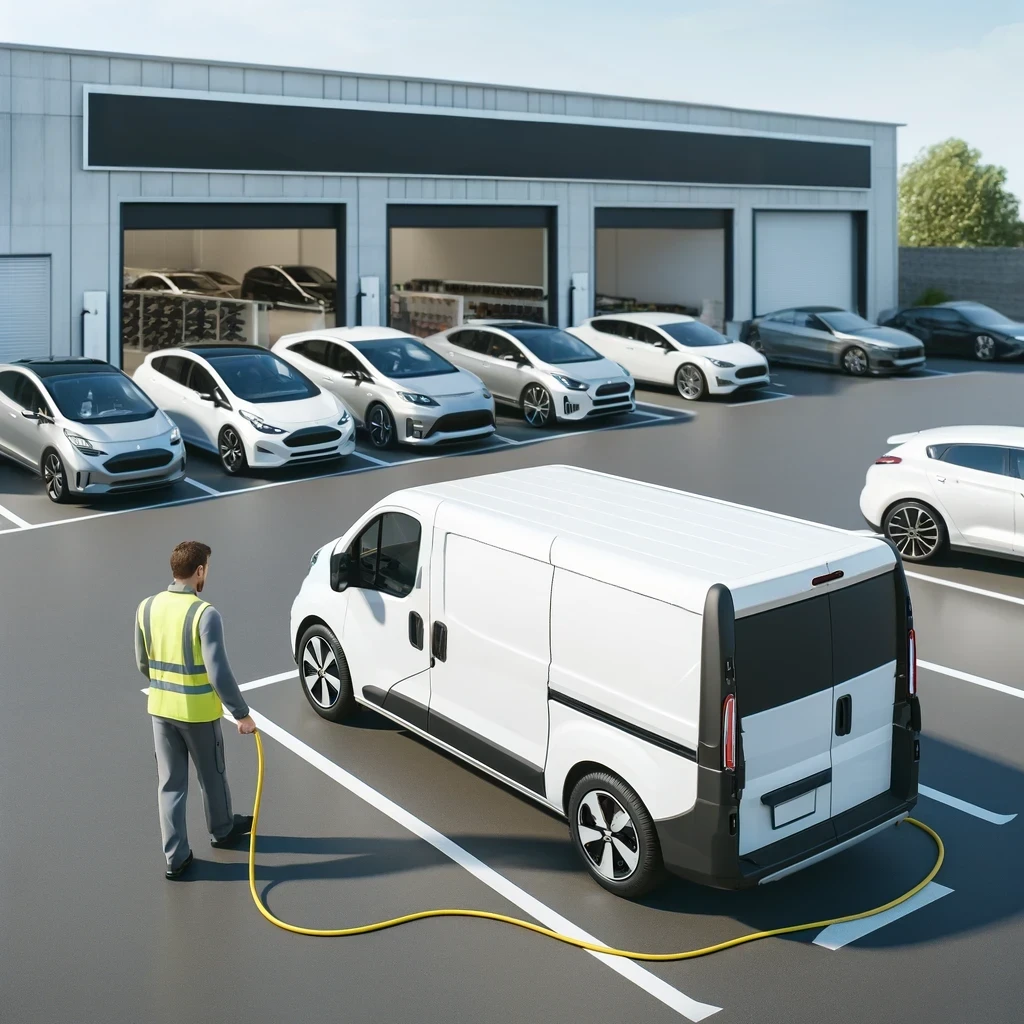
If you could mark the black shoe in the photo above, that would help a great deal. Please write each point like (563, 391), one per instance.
(173, 874)
(241, 828)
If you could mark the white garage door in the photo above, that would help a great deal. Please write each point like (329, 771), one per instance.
(803, 259)
(24, 307)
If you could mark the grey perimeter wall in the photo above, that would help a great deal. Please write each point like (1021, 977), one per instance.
(50, 205)
(992, 276)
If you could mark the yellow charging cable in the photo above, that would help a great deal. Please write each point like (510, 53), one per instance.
(592, 947)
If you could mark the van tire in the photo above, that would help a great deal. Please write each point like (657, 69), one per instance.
(604, 791)
(324, 675)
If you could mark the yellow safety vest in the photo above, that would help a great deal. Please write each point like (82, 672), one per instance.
(179, 687)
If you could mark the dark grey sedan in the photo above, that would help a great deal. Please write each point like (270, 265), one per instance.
(831, 338)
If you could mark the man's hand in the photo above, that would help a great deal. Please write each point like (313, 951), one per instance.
(246, 726)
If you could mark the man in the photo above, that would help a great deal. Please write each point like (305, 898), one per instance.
(179, 647)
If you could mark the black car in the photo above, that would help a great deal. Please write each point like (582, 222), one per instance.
(294, 286)
(967, 329)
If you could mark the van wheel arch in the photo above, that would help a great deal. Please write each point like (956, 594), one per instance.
(309, 620)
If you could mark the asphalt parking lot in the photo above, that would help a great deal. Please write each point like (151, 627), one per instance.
(364, 821)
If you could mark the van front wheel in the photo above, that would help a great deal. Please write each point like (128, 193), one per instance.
(614, 835)
(324, 675)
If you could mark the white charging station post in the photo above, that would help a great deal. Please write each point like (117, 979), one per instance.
(369, 301)
(94, 326)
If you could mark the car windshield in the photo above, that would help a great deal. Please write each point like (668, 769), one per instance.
(308, 275)
(983, 316)
(262, 377)
(694, 334)
(403, 357)
(225, 279)
(551, 345)
(843, 321)
(99, 398)
(194, 283)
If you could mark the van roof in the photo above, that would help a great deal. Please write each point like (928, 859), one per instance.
(669, 544)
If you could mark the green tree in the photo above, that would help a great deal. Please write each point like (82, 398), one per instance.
(947, 196)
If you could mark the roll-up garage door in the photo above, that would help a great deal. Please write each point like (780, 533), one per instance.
(803, 259)
(24, 307)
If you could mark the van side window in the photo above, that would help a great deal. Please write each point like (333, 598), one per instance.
(387, 554)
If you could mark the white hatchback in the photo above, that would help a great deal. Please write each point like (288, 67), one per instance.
(246, 405)
(956, 486)
(675, 350)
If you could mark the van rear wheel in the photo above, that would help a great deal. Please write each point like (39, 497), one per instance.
(614, 835)
(324, 675)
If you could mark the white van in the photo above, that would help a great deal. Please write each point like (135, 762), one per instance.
(697, 686)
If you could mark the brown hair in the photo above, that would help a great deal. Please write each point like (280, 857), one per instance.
(187, 557)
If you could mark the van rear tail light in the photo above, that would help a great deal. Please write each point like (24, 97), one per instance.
(888, 460)
(911, 663)
(729, 733)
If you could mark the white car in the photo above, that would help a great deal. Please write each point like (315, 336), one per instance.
(248, 406)
(546, 372)
(956, 486)
(675, 350)
(398, 389)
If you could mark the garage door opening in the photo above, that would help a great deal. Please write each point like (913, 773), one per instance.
(214, 281)
(448, 265)
(671, 261)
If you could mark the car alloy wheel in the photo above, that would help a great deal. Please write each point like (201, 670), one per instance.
(754, 341)
(538, 409)
(608, 836)
(381, 427)
(320, 673)
(915, 530)
(55, 478)
(985, 348)
(855, 362)
(690, 382)
(232, 454)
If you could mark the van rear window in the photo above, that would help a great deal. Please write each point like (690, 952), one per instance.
(864, 627)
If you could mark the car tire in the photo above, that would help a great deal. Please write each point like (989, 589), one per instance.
(854, 361)
(916, 529)
(55, 477)
(984, 348)
(691, 382)
(324, 675)
(380, 426)
(231, 451)
(754, 340)
(537, 406)
(626, 862)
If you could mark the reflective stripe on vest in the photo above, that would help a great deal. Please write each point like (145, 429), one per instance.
(179, 686)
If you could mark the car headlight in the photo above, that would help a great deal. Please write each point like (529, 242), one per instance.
(485, 393)
(721, 363)
(570, 383)
(175, 436)
(415, 399)
(259, 423)
(315, 556)
(83, 444)
(624, 370)
(344, 418)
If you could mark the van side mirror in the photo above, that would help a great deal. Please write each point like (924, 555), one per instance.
(340, 564)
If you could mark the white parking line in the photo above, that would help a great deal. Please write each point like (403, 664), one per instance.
(372, 459)
(938, 581)
(17, 520)
(202, 487)
(762, 399)
(967, 677)
(269, 680)
(628, 969)
(836, 936)
(962, 805)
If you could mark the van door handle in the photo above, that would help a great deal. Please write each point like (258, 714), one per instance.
(416, 630)
(941, 479)
(844, 715)
(439, 641)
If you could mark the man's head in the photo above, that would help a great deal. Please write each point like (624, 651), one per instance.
(189, 563)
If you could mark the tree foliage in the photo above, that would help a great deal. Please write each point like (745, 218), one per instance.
(947, 196)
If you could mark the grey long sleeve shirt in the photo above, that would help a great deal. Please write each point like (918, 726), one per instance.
(215, 657)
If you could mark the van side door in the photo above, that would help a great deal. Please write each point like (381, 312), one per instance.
(492, 653)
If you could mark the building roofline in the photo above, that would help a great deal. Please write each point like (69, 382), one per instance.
(442, 81)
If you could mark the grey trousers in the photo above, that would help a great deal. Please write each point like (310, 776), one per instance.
(175, 743)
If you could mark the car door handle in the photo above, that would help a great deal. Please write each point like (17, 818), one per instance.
(327, 379)
(941, 479)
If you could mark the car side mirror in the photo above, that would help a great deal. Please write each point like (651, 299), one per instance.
(340, 566)
(206, 396)
(29, 414)
(351, 375)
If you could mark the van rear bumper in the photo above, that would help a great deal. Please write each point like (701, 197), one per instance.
(703, 845)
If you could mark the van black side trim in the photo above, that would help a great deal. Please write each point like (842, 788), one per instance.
(795, 789)
(634, 730)
(411, 711)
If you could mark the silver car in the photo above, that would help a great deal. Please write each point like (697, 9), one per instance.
(85, 428)
(545, 372)
(397, 389)
(832, 338)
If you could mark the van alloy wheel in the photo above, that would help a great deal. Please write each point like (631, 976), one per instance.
(320, 672)
(985, 348)
(608, 836)
(537, 410)
(915, 531)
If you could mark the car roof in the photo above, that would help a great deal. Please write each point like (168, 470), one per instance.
(964, 434)
(503, 324)
(220, 348)
(58, 366)
(653, 318)
(349, 334)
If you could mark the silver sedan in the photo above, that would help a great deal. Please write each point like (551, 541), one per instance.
(85, 428)
(831, 338)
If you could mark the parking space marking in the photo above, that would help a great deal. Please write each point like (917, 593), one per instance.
(20, 523)
(768, 396)
(962, 805)
(371, 459)
(269, 680)
(967, 677)
(628, 969)
(202, 487)
(835, 936)
(939, 581)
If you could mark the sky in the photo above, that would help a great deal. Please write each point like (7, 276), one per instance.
(943, 68)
